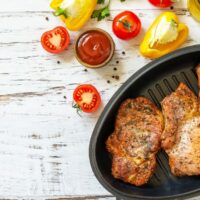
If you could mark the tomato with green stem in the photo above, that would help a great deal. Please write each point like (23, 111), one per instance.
(126, 25)
(162, 3)
(87, 98)
(56, 40)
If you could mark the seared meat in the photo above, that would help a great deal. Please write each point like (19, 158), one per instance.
(181, 135)
(135, 140)
(177, 107)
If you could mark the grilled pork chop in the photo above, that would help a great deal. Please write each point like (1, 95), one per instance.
(135, 141)
(181, 135)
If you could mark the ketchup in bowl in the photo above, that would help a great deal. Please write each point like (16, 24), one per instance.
(94, 48)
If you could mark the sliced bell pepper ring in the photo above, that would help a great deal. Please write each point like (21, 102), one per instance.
(74, 13)
(159, 49)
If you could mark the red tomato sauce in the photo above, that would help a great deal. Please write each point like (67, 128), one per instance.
(94, 47)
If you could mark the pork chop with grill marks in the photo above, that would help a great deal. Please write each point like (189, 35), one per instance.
(135, 141)
(181, 135)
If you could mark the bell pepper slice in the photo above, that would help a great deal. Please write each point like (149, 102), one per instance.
(74, 13)
(159, 49)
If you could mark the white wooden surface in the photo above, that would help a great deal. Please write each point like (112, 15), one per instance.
(43, 142)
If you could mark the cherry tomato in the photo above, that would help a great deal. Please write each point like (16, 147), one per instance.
(162, 3)
(87, 98)
(56, 40)
(126, 25)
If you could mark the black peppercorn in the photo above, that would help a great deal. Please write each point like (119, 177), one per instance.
(117, 77)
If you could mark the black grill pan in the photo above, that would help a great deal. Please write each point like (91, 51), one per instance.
(154, 81)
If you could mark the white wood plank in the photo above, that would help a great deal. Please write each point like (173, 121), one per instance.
(43, 5)
(20, 32)
(43, 143)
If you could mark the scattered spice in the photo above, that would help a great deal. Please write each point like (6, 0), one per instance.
(172, 7)
(123, 52)
(65, 97)
(85, 70)
(117, 62)
(47, 18)
(117, 77)
(58, 62)
(115, 69)
(108, 81)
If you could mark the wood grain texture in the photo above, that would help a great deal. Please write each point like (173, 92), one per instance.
(43, 143)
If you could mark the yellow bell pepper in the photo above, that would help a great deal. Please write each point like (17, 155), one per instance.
(165, 35)
(74, 13)
(194, 8)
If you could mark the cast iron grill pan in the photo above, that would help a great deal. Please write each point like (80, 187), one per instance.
(154, 81)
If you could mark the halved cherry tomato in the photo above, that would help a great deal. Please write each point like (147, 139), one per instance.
(56, 40)
(126, 25)
(162, 3)
(87, 98)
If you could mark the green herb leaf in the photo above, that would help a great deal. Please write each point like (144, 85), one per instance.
(101, 13)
